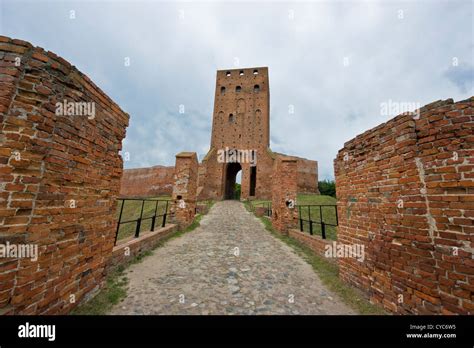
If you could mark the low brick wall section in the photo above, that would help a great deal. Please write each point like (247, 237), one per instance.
(405, 191)
(260, 211)
(127, 250)
(147, 182)
(315, 243)
(202, 209)
(60, 172)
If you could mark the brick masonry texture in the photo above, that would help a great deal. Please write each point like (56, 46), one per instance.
(147, 182)
(405, 190)
(60, 177)
(284, 191)
(183, 205)
(315, 243)
(128, 249)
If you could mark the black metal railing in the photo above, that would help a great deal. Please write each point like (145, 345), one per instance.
(314, 214)
(140, 202)
(267, 205)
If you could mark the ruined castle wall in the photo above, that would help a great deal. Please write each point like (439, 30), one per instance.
(307, 176)
(307, 173)
(60, 177)
(147, 182)
(404, 191)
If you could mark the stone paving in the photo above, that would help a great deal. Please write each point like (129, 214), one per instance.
(228, 265)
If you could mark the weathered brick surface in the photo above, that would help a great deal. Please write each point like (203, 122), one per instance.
(307, 176)
(284, 192)
(315, 243)
(60, 177)
(127, 250)
(147, 182)
(183, 206)
(405, 191)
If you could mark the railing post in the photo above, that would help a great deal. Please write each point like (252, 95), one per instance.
(154, 218)
(118, 223)
(310, 227)
(139, 221)
(301, 221)
(164, 215)
(323, 230)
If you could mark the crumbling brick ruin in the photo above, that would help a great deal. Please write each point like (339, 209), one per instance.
(241, 122)
(147, 182)
(284, 192)
(60, 177)
(405, 191)
(183, 204)
(405, 188)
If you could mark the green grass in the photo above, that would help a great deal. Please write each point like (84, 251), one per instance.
(132, 209)
(328, 272)
(315, 199)
(112, 292)
(329, 213)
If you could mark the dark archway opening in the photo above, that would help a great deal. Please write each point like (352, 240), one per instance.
(230, 179)
(253, 180)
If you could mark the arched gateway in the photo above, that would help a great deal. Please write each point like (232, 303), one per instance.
(240, 140)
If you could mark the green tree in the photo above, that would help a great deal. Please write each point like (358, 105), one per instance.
(237, 191)
(327, 187)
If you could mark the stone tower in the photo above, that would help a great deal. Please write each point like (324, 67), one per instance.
(241, 109)
(240, 123)
(241, 130)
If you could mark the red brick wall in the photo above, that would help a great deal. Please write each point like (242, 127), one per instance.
(128, 250)
(184, 197)
(284, 190)
(60, 176)
(405, 191)
(315, 243)
(307, 176)
(147, 182)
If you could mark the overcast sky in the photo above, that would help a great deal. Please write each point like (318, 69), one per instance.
(333, 62)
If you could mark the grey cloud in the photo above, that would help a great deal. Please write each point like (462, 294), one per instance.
(174, 60)
(462, 76)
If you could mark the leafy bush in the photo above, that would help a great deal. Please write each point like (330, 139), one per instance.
(327, 187)
(237, 191)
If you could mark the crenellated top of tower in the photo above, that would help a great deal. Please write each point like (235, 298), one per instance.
(248, 79)
(241, 108)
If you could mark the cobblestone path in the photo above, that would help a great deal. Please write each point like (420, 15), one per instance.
(202, 272)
